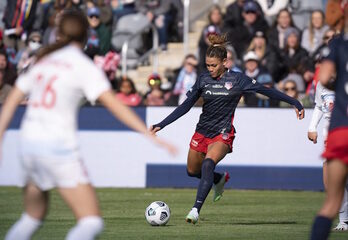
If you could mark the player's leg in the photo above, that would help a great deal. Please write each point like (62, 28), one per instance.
(216, 152)
(194, 165)
(337, 174)
(83, 201)
(35, 204)
(325, 175)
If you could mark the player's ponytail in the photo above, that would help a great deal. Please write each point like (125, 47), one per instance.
(73, 27)
(217, 49)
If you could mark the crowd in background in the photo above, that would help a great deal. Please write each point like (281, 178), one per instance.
(279, 43)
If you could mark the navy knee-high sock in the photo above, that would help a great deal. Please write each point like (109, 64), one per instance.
(217, 176)
(205, 183)
(321, 228)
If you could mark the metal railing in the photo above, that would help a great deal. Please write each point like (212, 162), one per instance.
(153, 50)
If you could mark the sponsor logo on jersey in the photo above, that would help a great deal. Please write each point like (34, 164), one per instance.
(206, 85)
(194, 143)
(208, 92)
(217, 86)
(228, 85)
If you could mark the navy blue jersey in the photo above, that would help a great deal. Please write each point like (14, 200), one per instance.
(338, 54)
(221, 97)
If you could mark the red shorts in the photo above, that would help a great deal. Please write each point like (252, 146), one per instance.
(200, 143)
(337, 145)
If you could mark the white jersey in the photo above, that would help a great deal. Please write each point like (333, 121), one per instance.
(55, 87)
(324, 100)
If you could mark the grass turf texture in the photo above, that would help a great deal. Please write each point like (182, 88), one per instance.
(238, 215)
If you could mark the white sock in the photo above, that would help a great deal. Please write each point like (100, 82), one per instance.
(87, 228)
(24, 228)
(343, 215)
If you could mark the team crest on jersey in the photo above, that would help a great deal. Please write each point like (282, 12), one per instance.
(228, 85)
(225, 136)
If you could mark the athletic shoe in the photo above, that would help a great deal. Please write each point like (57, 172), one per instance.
(192, 217)
(219, 187)
(341, 226)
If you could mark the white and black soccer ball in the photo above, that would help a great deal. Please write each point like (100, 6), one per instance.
(157, 213)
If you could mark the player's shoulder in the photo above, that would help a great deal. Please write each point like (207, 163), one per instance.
(233, 75)
(203, 76)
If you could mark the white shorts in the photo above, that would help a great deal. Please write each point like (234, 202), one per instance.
(49, 167)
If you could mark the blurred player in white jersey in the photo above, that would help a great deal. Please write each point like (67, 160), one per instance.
(324, 101)
(55, 86)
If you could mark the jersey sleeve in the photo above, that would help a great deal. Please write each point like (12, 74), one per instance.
(192, 96)
(251, 85)
(94, 83)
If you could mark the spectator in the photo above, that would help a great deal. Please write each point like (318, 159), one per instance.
(233, 16)
(297, 78)
(186, 78)
(4, 88)
(105, 11)
(127, 93)
(290, 89)
(10, 74)
(17, 28)
(294, 57)
(109, 64)
(231, 59)
(121, 8)
(241, 35)
(27, 56)
(100, 36)
(312, 36)
(214, 27)
(176, 26)
(272, 8)
(156, 96)
(157, 12)
(260, 74)
(276, 34)
(301, 11)
(268, 58)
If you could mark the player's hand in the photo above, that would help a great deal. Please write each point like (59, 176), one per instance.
(153, 130)
(313, 136)
(300, 114)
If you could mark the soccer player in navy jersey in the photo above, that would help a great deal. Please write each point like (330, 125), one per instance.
(336, 152)
(221, 91)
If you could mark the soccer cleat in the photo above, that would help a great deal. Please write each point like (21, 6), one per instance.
(192, 217)
(341, 226)
(219, 187)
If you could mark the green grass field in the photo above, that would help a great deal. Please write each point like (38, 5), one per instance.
(238, 215)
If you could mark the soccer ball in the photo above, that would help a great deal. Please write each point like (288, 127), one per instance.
(157, 213)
